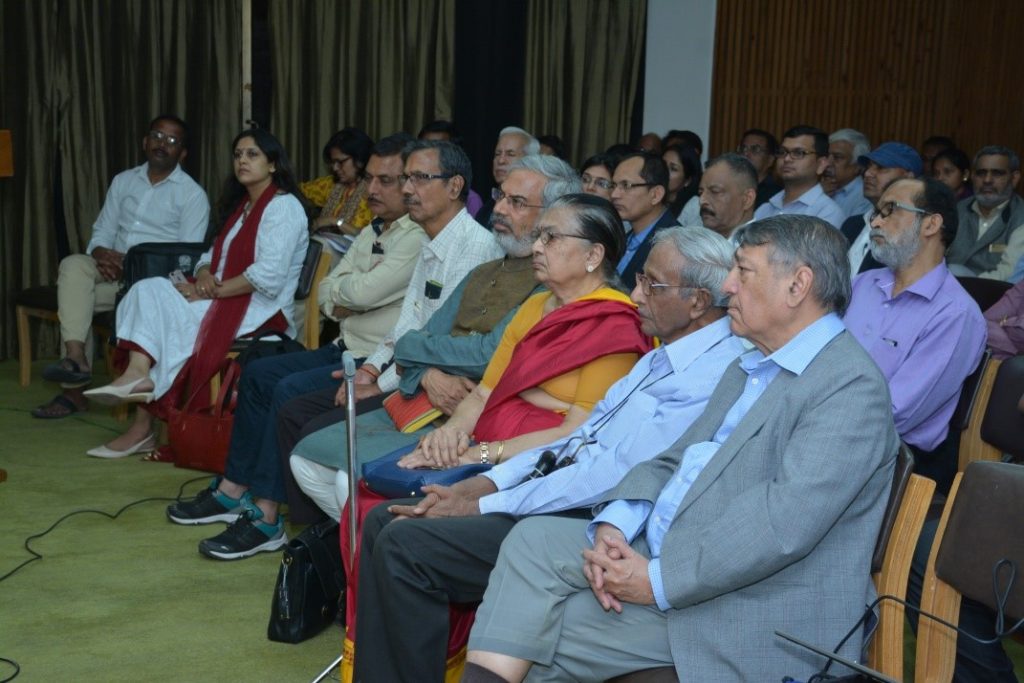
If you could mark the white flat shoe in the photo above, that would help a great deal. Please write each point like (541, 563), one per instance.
(147, 444)
(111, 395)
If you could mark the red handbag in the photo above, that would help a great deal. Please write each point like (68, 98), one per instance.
(199, 438)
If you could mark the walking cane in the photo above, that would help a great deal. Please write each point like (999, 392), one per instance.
(349, 365)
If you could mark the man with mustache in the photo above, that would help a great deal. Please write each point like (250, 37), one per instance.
(800, 160)
(989, 243)
(728, 193)
(842, 178)
(914, 319)
(155, 202)
(888, 162)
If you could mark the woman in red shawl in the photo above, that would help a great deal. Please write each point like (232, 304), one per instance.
(246, 281)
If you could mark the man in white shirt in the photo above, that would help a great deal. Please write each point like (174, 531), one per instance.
(842, 178)
(800, 161)
(154, 202)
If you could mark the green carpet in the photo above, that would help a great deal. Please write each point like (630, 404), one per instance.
(128, 599)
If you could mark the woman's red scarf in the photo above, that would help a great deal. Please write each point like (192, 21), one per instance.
(221, 322)
(564, 340)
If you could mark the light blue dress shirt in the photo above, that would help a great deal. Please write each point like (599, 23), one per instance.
(850, 198)
(814, 202)
(633, 242)
(653, 405)
(632, 516)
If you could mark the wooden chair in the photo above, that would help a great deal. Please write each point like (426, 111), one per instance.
(984, 291)
(311, 330)
(980, 525)
(41, 303)
(996, 425)
(972, 447)
(904, 517)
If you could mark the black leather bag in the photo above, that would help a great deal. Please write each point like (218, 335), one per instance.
(158, 259)
(310, 585)
(263, 344)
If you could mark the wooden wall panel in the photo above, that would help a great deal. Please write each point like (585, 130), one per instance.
(894, 69)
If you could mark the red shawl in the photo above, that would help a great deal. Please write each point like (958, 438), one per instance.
(564, 340)
(222, 320)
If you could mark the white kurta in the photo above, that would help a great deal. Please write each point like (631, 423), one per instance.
(159, 319)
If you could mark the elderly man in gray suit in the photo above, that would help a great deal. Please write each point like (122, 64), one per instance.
(762, 516)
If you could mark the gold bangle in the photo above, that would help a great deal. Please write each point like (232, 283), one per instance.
(484, 453)
(501, 449)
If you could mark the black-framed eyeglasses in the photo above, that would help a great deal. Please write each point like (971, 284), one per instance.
(885, 209)
(627, 185)
(797, 154)
(603, 183)
(338, 162)
(518, 203)
(649, 286)
(545, 235)
(419, 179)
(160, 136)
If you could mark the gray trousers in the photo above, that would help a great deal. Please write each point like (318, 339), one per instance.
(538, 606)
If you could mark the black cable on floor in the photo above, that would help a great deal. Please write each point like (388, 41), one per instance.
(17, 669)
(36, 556)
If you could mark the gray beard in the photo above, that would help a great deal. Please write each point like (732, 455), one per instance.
(898, 253)
(516, 247)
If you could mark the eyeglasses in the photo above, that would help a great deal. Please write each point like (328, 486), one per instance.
(338, 162)
(885, 210)
(518, 203)
(751, 149)
(160, 136)
(627, 185)
(603, 183)
(419, 179)
(649, 287)
(545, 235)
(797, 154)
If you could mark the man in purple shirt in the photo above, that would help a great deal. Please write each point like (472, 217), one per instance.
(914, 319)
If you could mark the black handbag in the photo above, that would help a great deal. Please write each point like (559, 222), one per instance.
(158, 259)
(310, 585)
(261, 345)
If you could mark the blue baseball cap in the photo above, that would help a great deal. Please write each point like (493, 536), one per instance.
(894, 155)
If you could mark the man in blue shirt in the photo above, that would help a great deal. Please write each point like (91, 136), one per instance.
(800, 162)
(640, 186)
(434, 561)
(761, 517)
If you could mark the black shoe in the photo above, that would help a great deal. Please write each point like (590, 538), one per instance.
(208, 507)
(246, 536)
(67, 371)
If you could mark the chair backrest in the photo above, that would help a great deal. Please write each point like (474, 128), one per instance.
(1003, 423)
(890, 566)
(969, 394)
(311, 328)
(972, 446)
(307, 277)
(980, 525)
(983, 290)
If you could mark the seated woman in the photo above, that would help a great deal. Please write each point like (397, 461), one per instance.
(245, 282)
(683, 181)
(341, 196)
(596, 174)
(953, 168)
(556, 359)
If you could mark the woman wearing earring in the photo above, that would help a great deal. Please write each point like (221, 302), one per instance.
(952, 168)
(246, 281)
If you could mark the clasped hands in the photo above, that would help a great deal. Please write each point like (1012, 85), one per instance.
(443, 448)
(616, 573)
(206, 286)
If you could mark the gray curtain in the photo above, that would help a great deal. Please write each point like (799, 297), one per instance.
(583, 62)
(81, 80)
(380, 65)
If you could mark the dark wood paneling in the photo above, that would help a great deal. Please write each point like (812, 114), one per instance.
(896, 70)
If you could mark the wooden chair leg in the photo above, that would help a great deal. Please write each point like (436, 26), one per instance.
(24, 347)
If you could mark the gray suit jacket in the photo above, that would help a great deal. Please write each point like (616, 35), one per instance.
(777, 531)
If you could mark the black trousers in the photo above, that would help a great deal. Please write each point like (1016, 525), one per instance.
(408, 573)
(298, 418)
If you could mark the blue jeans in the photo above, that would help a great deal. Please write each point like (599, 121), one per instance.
(265, 386)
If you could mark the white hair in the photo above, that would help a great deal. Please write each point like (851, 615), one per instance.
(531, 147)
(860, 142)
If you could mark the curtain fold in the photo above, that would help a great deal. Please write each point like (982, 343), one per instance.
(583, 61)
(81, 81)
(380, 65)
